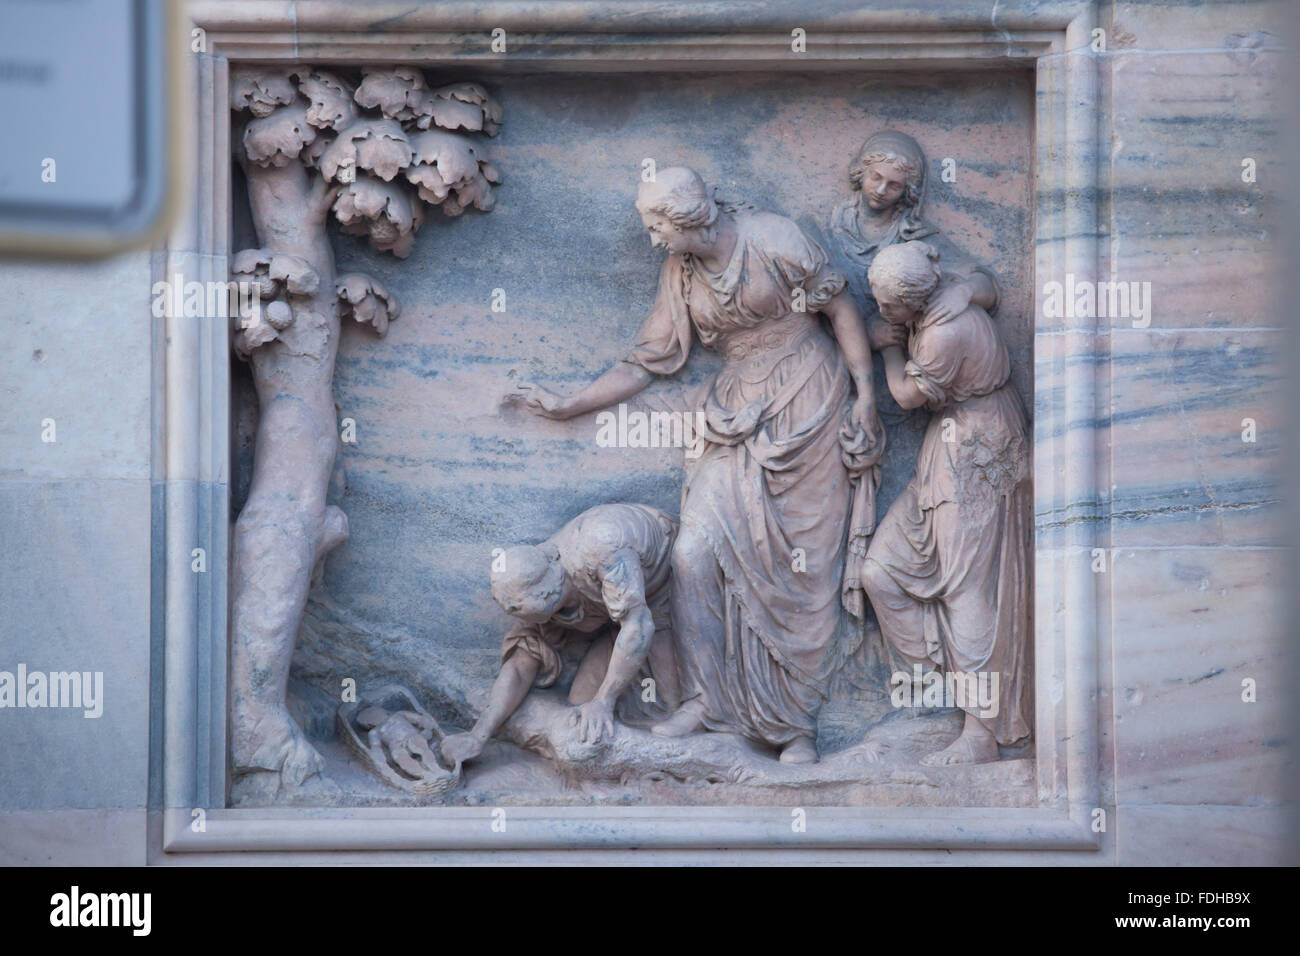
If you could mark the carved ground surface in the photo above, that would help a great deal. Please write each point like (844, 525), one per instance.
(870, 752)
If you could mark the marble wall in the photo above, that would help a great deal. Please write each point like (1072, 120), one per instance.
(1197, 518)
(75, 554)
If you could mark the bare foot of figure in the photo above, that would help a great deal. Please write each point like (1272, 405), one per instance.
(975, 745)
(799, 750)
(688, 719)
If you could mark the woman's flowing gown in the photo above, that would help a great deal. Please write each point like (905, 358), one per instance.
(948, 570)
(758, 563)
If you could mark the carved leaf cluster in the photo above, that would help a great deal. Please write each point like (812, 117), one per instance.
(446, 169)
(388, 146)
(278, 279)
(386, 212)
(366, 300)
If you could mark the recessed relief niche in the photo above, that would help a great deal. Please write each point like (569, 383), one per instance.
(632, 439)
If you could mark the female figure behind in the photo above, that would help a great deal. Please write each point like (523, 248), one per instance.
(948, 570)
(887, 177)
(758, 563)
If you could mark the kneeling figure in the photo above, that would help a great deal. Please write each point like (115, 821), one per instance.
(610, 564)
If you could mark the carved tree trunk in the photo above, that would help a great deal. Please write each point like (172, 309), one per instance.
(285, 528)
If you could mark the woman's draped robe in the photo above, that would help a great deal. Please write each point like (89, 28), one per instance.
(948, 570)
(766, 507)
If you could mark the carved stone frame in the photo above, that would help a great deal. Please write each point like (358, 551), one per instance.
(192, 435)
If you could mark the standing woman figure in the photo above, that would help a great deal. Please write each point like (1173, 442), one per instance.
(791, 437)
(948, 569)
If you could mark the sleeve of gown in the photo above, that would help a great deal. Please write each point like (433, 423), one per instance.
(936, 359)
(622, 585)
(540, 642)
(804, 264)
(664, 342)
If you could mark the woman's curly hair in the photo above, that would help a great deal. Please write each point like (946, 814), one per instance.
(687, 201)
(900, 151)
(907, 271)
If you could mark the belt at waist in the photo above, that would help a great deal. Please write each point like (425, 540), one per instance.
(773, 335)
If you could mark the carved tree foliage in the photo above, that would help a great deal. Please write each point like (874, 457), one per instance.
(387, 148)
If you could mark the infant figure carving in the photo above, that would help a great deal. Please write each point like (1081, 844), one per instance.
(402, 734)
(400, 740)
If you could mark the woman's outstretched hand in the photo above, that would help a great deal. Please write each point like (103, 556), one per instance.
(539, 400)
